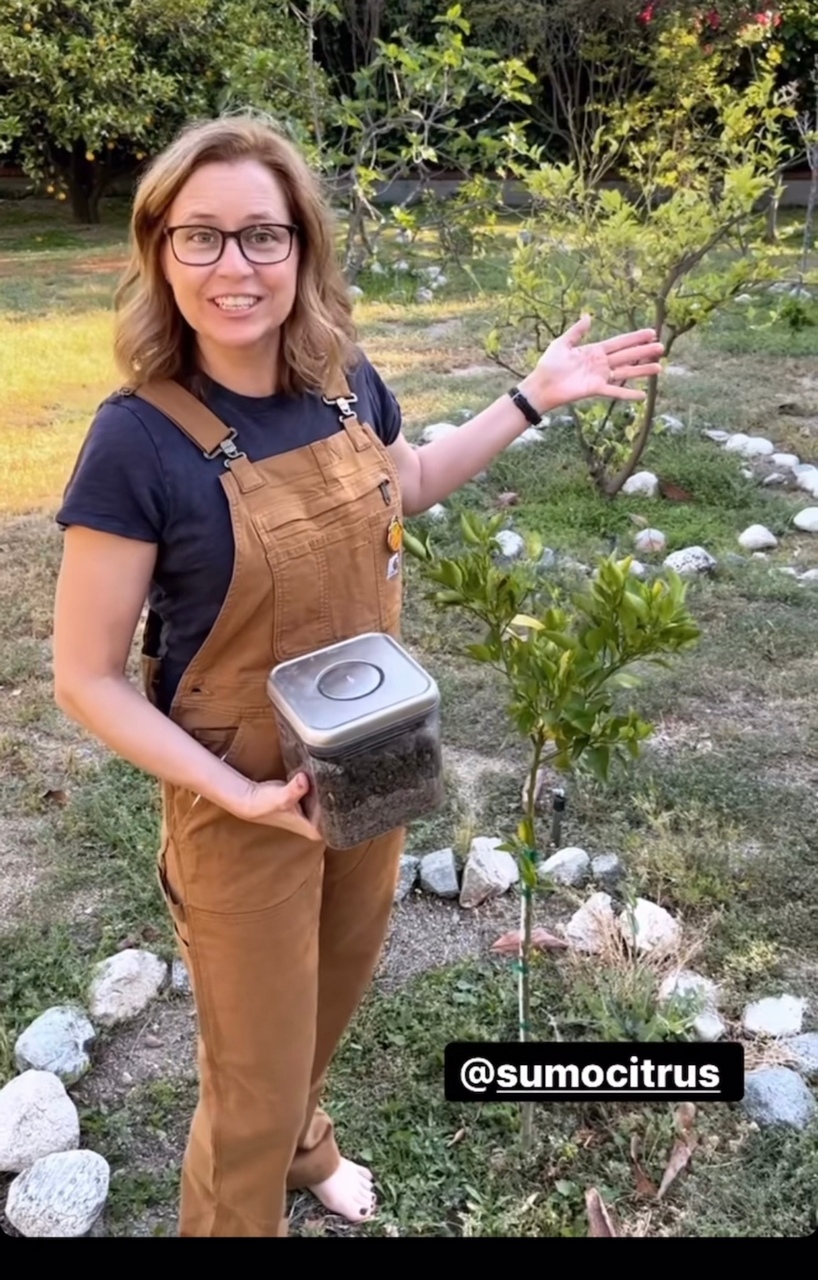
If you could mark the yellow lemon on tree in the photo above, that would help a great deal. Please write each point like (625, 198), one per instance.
(89, 155)
(50, 190)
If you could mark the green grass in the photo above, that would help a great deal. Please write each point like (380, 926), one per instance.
(716, 821)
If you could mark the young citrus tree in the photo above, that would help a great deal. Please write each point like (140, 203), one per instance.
(563, 666)
(681, 236)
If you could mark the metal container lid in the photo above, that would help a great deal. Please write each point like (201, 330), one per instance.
(352, 691)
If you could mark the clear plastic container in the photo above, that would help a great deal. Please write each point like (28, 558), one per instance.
(362, 720)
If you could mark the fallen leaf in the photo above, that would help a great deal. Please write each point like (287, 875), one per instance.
(638, 520)
(674, 492)
(153, 1042)
(599, 1220)
(509, 943)
(507, 500)
(127, 943)
(644, 1186)
(458, 1137)
(682, 1147)
(56, 797)
(150, 933)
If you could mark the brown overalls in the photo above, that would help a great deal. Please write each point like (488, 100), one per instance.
(280, 934)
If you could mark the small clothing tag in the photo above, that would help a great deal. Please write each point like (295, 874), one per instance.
(393, 568)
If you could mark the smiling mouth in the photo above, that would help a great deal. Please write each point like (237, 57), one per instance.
(236, 302)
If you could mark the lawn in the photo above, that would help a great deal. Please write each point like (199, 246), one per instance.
(716, 821)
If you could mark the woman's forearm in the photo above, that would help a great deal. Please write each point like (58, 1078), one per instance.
(448, 463)
(116, 713)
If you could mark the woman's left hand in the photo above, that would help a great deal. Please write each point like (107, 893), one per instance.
(568, 371)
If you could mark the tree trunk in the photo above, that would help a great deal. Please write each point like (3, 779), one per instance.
(809, 231)
(86, 185)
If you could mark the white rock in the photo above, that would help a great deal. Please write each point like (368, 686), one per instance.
(744, 298)
(438, 873)
(431, 273)
(690, 560)
(124, 985)
(677, 371)
(489, 872)
(566, 866)
(720, 437)
(424, 295)
(437, 431)
(650, 540)
(760, 555)
(437, 512)
(439, 282)
(637, 569)
(775, 477)
(807, 520)
(512, 545)
(686, 983)
(748, 474)
(57, 1042)
(648, 927)
(810, 575)
(749, 446)
(789, 460)
(355, 292)
(644, 483)
(588, 927)
(60, 1195)
(37, 1118)
(402, 265)
(377, 269)
(179, 977)
(774, 1016)
(756, 538)
(709, 1026)
(531, 435)
(788, 571)
(781, 286)
(674, 425)
(808, 481)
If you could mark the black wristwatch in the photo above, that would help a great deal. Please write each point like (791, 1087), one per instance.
(525, 407)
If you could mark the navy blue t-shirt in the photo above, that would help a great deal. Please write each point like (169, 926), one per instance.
(139, 476)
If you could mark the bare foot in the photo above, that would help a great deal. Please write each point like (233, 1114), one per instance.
(348, 1192)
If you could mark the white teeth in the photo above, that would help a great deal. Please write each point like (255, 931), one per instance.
(235, 302)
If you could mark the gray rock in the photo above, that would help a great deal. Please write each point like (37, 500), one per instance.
(548, 559)
(732, 558)
(437, 431)
(424, 295)
(805, 1048)
(756, 538)
(808, 481)
(355, 292)
(788, 571)
(489, 872)
(124, 985)
(810, 575)
(436, 512)
(718, 437)
(180, 978)
(648, 540)
(690, 560)
(807, 520)
(60, 1195)
(709, 1026)
(788, 460)
(57, 1042)
(37, 1118)
(644, 483)
(677, 371)
(438, 873)
(685, 984)
(749, 446)
(778, 1096)
(407, 877)
(774, 1016)
(591, 924)
(774, 478)
(566, 866)
(532, 435)
(512, 546)
(648, 927)
(607, 870)
(674, 425)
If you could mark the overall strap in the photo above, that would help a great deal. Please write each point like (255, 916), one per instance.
(191, 416)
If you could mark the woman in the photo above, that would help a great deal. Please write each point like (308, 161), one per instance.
(249, 482)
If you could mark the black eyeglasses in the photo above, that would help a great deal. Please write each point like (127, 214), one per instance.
(203, 246)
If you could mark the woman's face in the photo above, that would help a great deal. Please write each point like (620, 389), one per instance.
(233, 305)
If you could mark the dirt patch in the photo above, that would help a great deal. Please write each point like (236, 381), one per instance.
(10, 266)
(24, 871)
(159, 1046)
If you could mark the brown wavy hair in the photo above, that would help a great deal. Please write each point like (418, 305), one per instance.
(153, 340)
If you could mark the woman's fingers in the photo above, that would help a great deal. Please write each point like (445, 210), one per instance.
(623, 372)
(624, 340)
(631, 355)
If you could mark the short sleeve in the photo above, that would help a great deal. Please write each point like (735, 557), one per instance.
(117, 484)
(388, 415)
